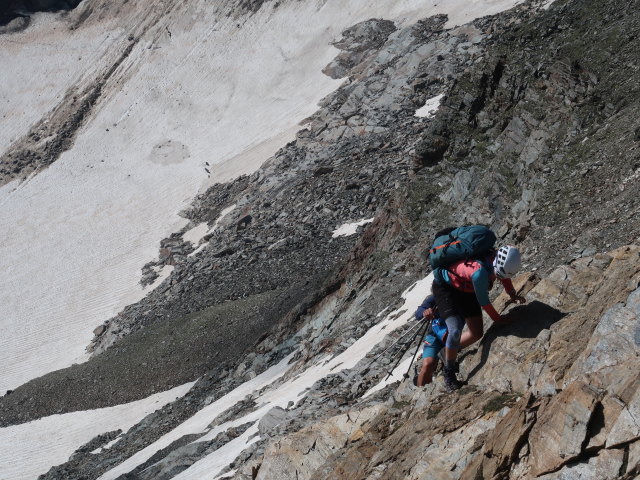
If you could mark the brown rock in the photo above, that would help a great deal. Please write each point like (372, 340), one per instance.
(602, 422)
(634, 454)
(299, 455)
(627, 426)
(604, 466)
(523, 284)
(561, 428)
(503, 444)
(584, 291)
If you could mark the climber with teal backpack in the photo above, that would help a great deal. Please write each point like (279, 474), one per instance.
(465, 265)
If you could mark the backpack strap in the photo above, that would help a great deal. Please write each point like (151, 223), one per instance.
(440, 277)
(452, 241)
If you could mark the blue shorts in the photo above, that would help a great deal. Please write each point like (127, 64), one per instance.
(432, 345)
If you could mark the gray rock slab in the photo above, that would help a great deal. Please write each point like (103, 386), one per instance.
(627, 426)
(605, 466)
(561, 428)
(274, 417)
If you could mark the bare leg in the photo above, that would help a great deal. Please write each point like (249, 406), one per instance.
(426, 372)
(473, 333)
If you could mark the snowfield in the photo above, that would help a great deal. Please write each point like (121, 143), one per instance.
(199, 87)
(279, 395)
(430, 107)
(30, 449)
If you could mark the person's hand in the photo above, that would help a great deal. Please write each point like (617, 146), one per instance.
(515, 298)
(428, 314)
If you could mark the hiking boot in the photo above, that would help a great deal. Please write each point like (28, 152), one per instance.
(456, 369)
(450, 381)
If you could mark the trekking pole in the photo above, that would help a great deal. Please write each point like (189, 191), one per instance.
(421, 334)
(411, 330)
(406, 375)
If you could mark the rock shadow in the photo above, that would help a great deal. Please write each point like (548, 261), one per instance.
(532, 318)
(12, 9)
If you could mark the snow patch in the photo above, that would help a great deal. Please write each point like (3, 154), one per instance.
(163, 273)
(292, 390)
(30, 449)
(107, 446)
(199, 422)
(429, 109)
(349, 228)
(396, 376)
(229, 474)
(548, 4)
(196, 234)
(222, 457)
(223, 214)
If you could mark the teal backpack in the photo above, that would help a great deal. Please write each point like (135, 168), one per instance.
(455, 244)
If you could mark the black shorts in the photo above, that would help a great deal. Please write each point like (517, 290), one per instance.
(451, 302)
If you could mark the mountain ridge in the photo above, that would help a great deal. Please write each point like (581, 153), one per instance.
(536, 135)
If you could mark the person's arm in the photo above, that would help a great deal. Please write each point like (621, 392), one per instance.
(426, 309)
(509, 288)
(480, 280)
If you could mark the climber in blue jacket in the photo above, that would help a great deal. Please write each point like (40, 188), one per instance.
(434, 341)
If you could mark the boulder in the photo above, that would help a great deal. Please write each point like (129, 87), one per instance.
(300, 454)
(504, 442)
(561, 429)
(627, 426)
(271, 420)
(583, 291)
(604, 466)
(611, 354)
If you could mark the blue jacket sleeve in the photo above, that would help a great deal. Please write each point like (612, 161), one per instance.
(480, 279)
(429, 302)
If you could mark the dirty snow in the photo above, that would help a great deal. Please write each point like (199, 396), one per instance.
(227, 475)
(218, 221)
(196, 234)
(163, 273)
(280, 395)
(398, 373)
(108, 445)
(347, 229)
(30, 449)
(216, 461)
(198, 423)
(430, 107)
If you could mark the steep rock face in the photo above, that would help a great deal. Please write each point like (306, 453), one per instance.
(553, 394)
(307, 451)
(531, 137)
(587, 425)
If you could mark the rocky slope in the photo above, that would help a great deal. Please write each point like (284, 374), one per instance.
(553, 396)
(538, 136)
